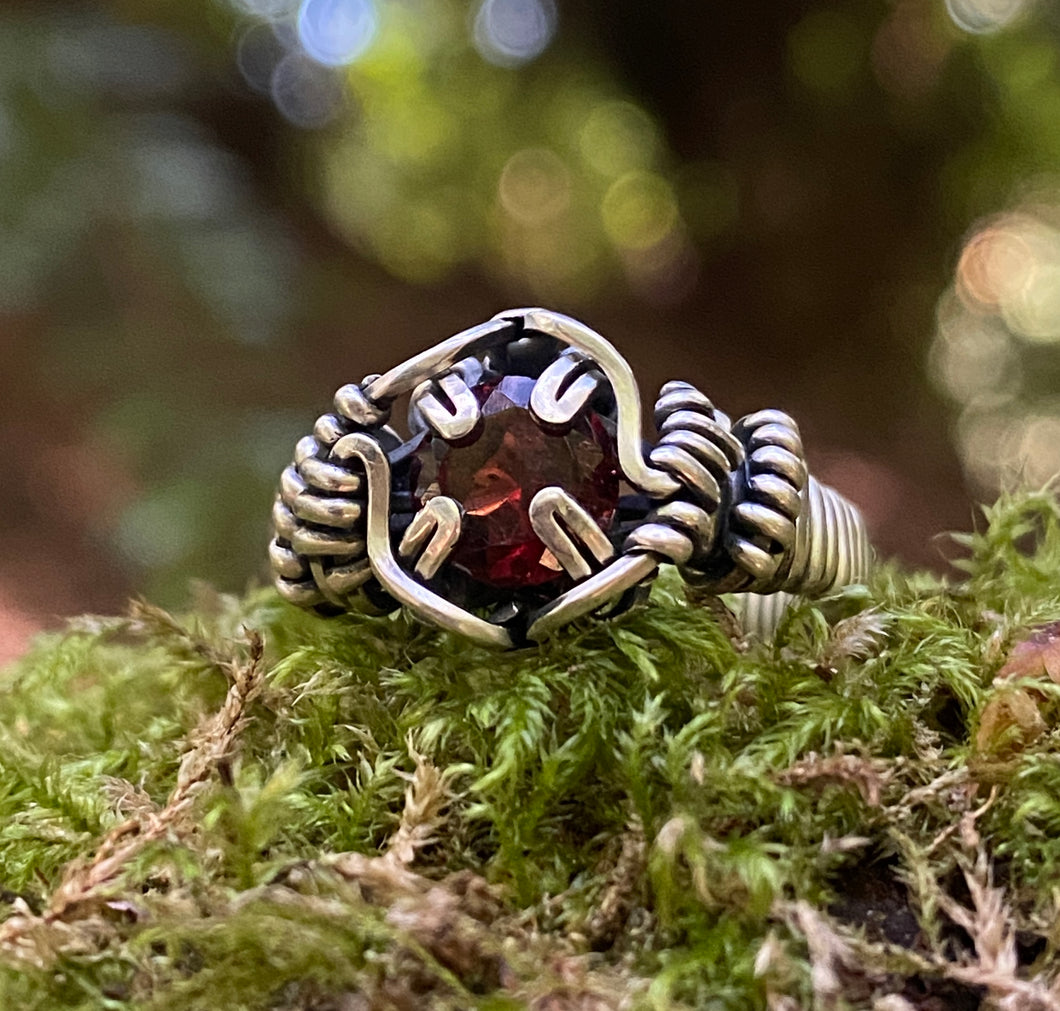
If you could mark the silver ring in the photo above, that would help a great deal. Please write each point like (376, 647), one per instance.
(524, 496)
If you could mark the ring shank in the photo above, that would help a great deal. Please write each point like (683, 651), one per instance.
(832, 550)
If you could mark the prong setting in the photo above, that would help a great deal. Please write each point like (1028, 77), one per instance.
(446, 406)
(565, 388)
(569, 532)
(431, 536)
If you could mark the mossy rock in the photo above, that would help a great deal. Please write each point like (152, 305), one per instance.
(249, 807)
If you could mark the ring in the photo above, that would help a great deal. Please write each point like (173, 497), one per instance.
(524, 496)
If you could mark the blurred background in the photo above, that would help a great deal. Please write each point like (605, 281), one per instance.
(215, 212)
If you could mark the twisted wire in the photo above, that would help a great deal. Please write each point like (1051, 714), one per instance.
(318, 552)
(831, 550)
(761, 533)
(697, 449)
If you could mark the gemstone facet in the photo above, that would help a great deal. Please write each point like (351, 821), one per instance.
(498, 470)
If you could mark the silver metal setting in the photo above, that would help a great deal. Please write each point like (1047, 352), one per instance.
(564, 527)
(564, 388)
(731, 504)
(446, 406)
(432, 535)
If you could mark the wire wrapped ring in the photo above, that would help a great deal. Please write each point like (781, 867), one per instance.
(524, 496)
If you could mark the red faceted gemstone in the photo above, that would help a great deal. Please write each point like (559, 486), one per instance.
(496, 475)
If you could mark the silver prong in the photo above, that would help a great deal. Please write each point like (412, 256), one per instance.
(399, 584)
(450, 423)
(621, 575)
(564, 388)
(657, 483)
(435, 529)
(558, 519)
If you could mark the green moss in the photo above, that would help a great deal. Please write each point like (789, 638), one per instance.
(364, 812)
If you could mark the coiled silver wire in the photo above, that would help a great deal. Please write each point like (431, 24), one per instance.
(831, 550)
(784, 531)
(319, 553)
(697, 449)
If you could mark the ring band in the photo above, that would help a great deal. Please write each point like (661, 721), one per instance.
(525, 498)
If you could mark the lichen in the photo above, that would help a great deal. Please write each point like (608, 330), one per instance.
(251, 807)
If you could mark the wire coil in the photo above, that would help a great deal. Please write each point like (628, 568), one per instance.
(319, 553)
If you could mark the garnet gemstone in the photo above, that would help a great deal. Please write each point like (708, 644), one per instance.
(496, 473)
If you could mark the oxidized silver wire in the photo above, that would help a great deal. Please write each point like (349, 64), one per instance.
(732, 505)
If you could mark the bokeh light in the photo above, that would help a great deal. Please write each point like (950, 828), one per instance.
(257, 53)
(1039, 449)
(511, 32)
(826, 52)
(336, 32)
(16, 629)
(535, 186)
(306, 93)
(1012, 267)
(618, 137)
(909, 50)
(666, 272)
(106, 58)
(993, 351)
(975, 360)
(268, 10)
(639, 210)
(984, 16)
